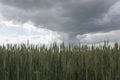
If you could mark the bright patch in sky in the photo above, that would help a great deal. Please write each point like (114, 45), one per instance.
(112, 36)
(21, 33)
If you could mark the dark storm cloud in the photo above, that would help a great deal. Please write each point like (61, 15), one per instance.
(70, 16)
(30, 4)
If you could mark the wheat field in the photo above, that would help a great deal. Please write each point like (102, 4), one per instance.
(59, 62)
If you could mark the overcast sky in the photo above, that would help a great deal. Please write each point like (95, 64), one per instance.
(47, 21)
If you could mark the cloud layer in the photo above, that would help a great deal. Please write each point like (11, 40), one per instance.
(72, 17)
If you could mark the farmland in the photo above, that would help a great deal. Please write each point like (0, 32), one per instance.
(60, 62)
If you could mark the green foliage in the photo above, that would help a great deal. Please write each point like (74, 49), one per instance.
(72, 62)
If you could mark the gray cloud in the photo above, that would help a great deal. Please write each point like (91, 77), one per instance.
(70, 16)
(31, 4)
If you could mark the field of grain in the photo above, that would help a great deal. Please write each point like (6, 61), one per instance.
(72, 62)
